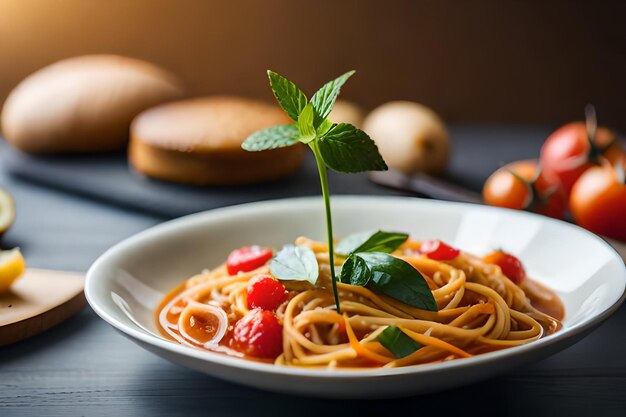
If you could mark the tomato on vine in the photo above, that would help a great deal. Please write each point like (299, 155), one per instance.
(598, 201)
(523, 185)
(577, 146)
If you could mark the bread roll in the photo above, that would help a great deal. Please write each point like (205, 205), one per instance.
(198, 141)
(410, 137)
(83, 104)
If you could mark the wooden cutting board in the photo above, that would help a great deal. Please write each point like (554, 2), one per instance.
(38, 301)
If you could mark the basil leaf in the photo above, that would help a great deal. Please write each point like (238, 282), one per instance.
(324, 99)
(397, 342)
(400, 280)
(289, 96)
(295, 263)
(369, 241)
(355, 271)
(348, 244)
(275, 137)
(348, 149)
(391, 276)
(305, 124)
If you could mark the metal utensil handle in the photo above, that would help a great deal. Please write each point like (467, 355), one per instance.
(426, 184)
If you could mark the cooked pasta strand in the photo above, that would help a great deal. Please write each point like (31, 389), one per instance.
(480, 310)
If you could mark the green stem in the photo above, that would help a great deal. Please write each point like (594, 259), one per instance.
(321, 167)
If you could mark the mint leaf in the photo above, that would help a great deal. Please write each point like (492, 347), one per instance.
(289, 96)
(391, 276)
(348, 149)
(295, 263)
(324, 127)
(369, 241)
(397, 342)
(324, 99)
(305, 124)
(275, 137)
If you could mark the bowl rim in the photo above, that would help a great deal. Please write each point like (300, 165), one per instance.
(219, 359)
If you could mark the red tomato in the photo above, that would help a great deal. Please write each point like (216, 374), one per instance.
(568, 152)
(258, 334)
(439, 251)
(265, 292)
(510, 265)
(598, 201)
(247, 258)
(517, 186)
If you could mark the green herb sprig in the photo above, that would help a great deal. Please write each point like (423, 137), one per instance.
(341, 147)
(344, 148)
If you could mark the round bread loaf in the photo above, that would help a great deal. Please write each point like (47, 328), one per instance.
(410, 137)
(198, 141)
(83, 104)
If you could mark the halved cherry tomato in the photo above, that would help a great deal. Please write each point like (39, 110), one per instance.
(265, 292)
(258, 334)
(510, 265)
(521, 185)
(438, 251)
(598, 201)
(247, 258)
(569, 151)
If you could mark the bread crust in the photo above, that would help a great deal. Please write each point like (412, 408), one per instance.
(198, 142)
(84, 104)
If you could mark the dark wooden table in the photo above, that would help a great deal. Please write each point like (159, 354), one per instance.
(84, 367)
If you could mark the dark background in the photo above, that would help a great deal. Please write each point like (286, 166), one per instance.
(482, 61)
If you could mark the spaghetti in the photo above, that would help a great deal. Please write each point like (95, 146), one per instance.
(479, 310)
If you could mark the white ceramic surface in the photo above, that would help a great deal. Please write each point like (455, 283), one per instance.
(126, 283)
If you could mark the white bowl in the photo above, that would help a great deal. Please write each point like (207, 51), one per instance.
(126, 283)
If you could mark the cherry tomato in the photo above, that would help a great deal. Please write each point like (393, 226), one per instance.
(439, 251)
(510, 265)
(568, 152)
(598, 201)
(518, 186)
(247, 258)
(265, 292)
(258, 334)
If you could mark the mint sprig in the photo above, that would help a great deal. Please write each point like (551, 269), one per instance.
(279, 136)
(305, 124)
(324, 99)
(289, 96)
(341, 147)
(348, 149)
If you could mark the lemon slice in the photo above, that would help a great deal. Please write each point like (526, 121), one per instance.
(7, 210)
(12, 266)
